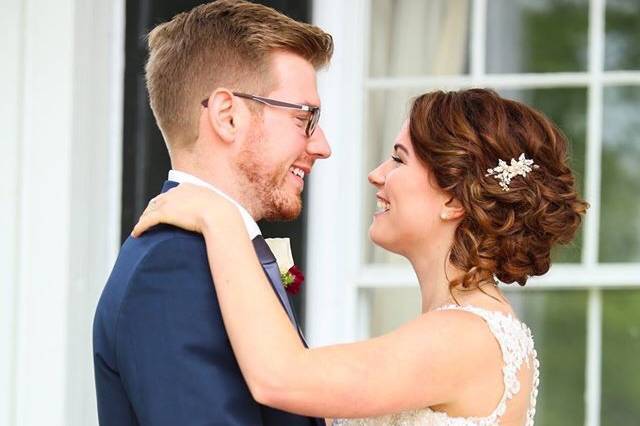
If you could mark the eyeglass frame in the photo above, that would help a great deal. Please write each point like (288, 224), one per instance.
(312, 121)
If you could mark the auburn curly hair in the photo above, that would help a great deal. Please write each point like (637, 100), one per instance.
(506, 234)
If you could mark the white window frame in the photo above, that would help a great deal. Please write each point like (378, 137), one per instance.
(337, 277)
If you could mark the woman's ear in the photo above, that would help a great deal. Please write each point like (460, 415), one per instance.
(222, 111)
(452, 210)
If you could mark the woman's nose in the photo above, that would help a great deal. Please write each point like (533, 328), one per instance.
(376, 176)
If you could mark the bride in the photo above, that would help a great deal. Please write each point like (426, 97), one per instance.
(477, 187)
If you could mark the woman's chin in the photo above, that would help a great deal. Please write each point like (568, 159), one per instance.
(377, 237)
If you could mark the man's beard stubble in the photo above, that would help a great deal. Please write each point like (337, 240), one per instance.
(266, 184)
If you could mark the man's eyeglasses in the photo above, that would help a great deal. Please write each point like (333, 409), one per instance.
(312, 119)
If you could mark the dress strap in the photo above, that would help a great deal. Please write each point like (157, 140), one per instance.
(516, 344)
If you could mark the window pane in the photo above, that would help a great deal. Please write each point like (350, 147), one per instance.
(387, 111)
(622, 50)
(620, 192)
(416, 37)
(558, 322)
(537, 35)
(620, 355)
(567, 107)
(392, 307)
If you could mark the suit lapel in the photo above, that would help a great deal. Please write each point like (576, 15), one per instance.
(270, 266)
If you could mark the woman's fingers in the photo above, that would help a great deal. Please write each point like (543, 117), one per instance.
(151, 216)
(146, 221)
(183, 206)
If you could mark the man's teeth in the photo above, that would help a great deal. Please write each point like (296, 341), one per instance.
(382, 205)
(298, 172)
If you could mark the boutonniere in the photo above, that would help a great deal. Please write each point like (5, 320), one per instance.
(291, 276)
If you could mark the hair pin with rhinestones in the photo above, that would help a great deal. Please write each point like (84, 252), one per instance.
(505, 172)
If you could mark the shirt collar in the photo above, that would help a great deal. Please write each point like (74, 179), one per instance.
(181, 177)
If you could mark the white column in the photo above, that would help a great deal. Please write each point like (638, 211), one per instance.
(61, 162)
(334, 226)
(10, 104)
(95, 187)
(44, 175)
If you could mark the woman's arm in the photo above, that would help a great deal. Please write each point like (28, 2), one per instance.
(415, 366)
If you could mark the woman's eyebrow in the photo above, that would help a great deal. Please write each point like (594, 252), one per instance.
(399, 146)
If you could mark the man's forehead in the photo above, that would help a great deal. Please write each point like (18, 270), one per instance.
(295, 79)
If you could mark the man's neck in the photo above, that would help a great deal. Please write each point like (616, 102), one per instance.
(225, 184)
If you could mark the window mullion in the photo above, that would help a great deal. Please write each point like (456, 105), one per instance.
(594, 358)
(478, 39)
(594, 132)
(592, 221)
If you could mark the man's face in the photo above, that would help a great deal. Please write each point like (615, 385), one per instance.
(278, 155)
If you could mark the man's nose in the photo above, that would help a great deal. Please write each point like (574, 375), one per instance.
(318, 146)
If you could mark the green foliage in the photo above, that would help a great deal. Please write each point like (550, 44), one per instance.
(622, 50)
(620, 356)
(620, 193)
(555, 36)
(558, 322)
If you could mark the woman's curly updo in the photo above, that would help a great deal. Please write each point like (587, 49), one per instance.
(506, 234)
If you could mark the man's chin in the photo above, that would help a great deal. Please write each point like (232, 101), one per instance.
(285, 211)
(284, 215)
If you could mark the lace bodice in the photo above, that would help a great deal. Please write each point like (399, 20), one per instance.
(516, 344)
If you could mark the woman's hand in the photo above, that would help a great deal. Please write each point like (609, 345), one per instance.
(186, 206)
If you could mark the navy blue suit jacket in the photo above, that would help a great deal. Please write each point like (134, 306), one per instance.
(161, 352)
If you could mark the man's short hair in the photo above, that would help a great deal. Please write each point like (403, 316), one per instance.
(226, 43)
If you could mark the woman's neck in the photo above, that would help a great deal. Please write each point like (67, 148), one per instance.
(435, 274)
(434, 279)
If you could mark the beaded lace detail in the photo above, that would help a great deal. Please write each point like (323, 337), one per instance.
(516, 344)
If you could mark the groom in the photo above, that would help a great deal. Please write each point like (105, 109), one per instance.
(232, 86)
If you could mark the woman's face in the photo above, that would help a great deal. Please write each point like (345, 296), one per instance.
(410, 203)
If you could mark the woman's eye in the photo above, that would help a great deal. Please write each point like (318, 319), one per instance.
(396, 159)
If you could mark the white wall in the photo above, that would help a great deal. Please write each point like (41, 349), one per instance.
(60, 115)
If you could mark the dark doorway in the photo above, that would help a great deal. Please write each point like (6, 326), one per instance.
(145, 161)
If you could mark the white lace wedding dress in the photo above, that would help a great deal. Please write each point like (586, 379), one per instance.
(516, 344)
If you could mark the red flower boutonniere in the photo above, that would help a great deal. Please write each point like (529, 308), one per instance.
(292, 279)
(291, 276)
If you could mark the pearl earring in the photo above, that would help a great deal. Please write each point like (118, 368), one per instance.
(444, 216)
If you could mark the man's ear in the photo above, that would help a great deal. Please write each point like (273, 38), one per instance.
(222, 113)
(452, 210)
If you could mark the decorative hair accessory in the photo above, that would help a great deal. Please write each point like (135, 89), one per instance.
(505, 172)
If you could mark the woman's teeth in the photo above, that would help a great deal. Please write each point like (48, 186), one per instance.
(298, 172)
(383, 206)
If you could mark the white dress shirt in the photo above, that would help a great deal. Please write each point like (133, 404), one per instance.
(181, 177)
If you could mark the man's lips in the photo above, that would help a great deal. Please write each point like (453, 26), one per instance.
(297, 176)
(297, 171)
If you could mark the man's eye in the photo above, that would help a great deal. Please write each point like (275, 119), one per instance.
(302, 121)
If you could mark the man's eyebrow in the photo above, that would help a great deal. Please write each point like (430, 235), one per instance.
(303, 101)
(400, 146)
